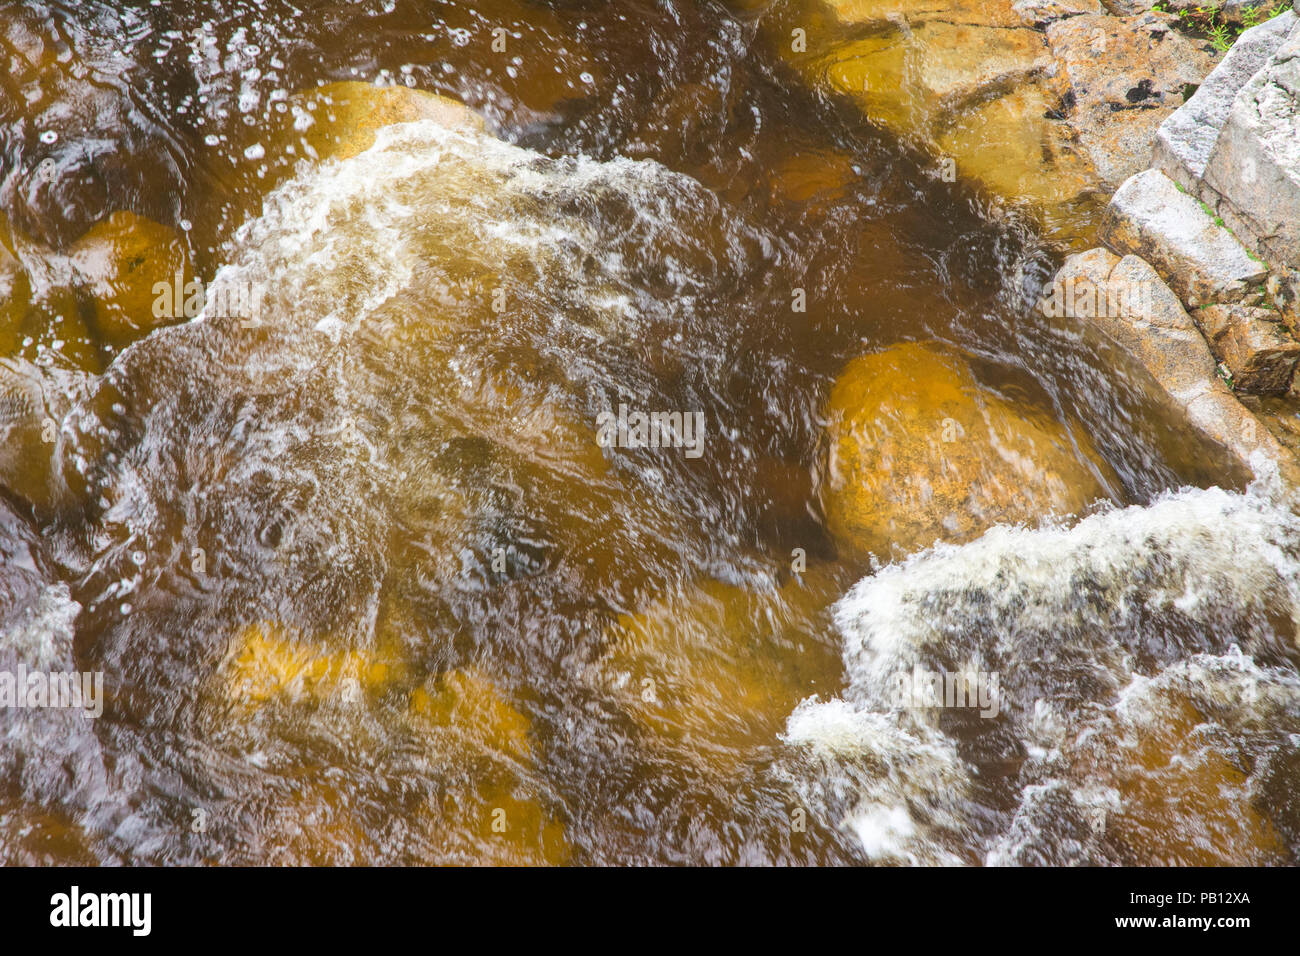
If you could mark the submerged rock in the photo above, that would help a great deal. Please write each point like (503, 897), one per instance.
(1013, 147)
(489, 815)
(1043, 122)
(119, 262)
(976, 12)
(266, 661)
(339, 120)
(74, 136)
(472, 708)
(334, 121)
(920, 451)
(909, 79)
(965, 82)
(1181, 800)
(713, 665)
(32, 405)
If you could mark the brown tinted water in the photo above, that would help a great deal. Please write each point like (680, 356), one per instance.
(365, 587)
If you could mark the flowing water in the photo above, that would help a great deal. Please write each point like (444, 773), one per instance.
(364, 585)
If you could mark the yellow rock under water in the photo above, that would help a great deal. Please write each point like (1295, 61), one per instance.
(42, 836)
(498, 821)
(472, 707)
(118, 263)
(719, 667)
(1182, 801)
(267, 662)
(52, 320)
(920, 451)
(1014, 149)
(334, 121)
(486, 814)
(909, 81)
(963, 81)
(980, 12)
(340, 120)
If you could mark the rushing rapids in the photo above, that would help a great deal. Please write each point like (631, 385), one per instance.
(366, 584)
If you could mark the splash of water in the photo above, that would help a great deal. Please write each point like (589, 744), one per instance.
(1116, 640)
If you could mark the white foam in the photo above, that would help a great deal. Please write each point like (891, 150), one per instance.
(1210, 556)
(1195, 550)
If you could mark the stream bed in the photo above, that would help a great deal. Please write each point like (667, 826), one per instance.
(394, 573)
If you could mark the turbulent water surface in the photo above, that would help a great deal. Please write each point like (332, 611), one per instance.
(365, 585)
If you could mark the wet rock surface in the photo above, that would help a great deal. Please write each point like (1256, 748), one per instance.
(1151, 325)
(921, 452)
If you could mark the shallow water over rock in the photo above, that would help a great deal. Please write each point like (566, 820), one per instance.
(365, 585)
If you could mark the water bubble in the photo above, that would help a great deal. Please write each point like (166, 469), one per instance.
(49, 137)
(256, 151)
(586, 77)
(138, 558)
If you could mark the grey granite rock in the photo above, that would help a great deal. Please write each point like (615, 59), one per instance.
(1185, 139)
(1254, 167)
(1149, 216)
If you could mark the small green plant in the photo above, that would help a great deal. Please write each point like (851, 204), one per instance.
(1210, 21)
(1221, 37)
